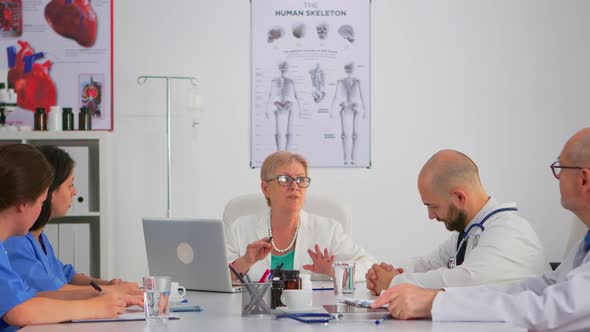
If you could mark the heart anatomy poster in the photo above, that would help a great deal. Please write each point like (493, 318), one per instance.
(57, 52)
(310, 81)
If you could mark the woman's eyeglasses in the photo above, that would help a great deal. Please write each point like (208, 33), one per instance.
(285, 181)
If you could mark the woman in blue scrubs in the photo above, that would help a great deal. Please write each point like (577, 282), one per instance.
(32, 255)
(25, 176)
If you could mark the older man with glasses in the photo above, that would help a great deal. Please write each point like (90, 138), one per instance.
(556, 300)
(285, 234)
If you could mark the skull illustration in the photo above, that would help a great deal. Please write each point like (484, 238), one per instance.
(322, 30)
(347, 32)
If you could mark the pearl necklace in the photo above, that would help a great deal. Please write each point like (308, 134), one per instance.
(292, 241)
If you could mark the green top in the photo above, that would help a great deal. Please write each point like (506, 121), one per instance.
(286, 259)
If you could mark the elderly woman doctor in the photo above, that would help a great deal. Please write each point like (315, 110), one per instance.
(285, 233)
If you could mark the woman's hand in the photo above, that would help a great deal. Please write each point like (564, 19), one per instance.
(255, 252)
(322, 262)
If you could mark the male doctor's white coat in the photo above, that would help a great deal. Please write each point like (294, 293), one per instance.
(558, 300)
(507, 250)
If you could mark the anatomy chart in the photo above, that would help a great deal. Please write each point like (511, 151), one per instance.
(57, 52)
(311, 81)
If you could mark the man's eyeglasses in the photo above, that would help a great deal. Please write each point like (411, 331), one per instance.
(556, 168)
(285, 181)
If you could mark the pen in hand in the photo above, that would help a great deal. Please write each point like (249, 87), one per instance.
(96, 287)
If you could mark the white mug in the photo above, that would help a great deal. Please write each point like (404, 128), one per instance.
(296, 298)
(177, 291)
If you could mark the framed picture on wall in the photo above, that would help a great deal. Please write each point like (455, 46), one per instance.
(58, 52)
(311, 81)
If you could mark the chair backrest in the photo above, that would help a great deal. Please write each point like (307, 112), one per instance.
(577, 232)
(255, 203)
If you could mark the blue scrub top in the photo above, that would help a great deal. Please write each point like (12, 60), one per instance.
(13, 290)
(41, 271)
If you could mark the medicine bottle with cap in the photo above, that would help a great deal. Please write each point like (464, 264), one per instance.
(292, 280)
(275, 293)
(40, 119)
(67, 118)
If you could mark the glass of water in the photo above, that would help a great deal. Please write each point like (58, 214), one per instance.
(343, 278)
(156, 292)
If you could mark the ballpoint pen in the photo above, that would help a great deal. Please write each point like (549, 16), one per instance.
(96, 287)
(238, 275)
(276, 270)
(381, 320)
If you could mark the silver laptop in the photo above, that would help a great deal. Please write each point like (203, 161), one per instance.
(191, 251)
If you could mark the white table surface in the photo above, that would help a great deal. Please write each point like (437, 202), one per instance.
(222, 312)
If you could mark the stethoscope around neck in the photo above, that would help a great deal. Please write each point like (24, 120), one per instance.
(452, 263)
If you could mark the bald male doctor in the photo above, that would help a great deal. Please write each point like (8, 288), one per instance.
(492, 243)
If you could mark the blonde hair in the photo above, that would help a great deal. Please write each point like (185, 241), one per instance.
(277, 159)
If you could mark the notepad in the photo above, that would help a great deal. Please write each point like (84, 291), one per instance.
(128, 316)
(186, 308)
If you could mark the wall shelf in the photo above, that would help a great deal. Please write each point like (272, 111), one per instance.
(83, 236)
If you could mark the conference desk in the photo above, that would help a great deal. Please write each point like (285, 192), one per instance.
(222, 312)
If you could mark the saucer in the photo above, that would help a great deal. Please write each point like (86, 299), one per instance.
(287, 310)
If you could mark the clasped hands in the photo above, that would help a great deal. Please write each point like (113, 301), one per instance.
(379, 277)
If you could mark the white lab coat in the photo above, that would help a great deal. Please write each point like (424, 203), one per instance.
(327, 233)
(558, 299)
(508, 250)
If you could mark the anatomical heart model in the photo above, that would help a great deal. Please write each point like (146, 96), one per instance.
(31, 80)
(74, 19)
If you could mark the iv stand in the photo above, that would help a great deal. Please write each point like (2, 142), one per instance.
(141, 80)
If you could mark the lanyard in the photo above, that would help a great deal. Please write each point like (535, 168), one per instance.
(452, 262)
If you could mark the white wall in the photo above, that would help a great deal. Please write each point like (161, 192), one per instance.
(503, 81)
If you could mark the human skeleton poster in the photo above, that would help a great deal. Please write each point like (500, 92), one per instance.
(310, 81)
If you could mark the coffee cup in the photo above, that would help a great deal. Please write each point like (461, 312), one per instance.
(177, 291)
(297, 298)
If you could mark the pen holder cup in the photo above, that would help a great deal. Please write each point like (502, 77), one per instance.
(256, 299)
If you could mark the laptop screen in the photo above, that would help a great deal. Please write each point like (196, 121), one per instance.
(191, 251)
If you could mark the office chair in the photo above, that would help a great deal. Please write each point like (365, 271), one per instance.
(577, 232)
(255, 204)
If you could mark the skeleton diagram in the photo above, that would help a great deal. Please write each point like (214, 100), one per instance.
(282, 100)
(349, 100)
(317, 80)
